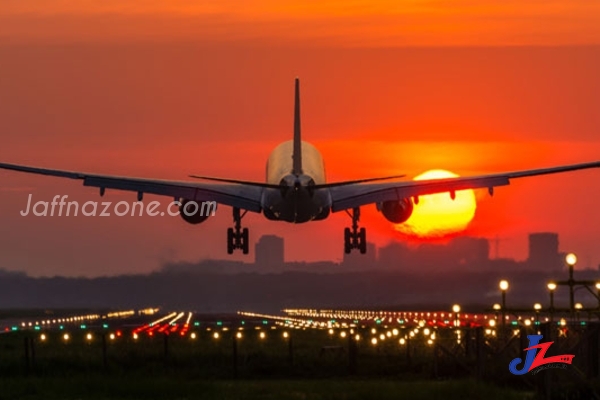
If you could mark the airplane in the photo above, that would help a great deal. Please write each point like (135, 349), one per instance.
(296, 190)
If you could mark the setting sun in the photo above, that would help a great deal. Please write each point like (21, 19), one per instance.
(438, 215)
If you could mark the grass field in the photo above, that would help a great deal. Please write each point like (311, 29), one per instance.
(204, 368)
(98, 387)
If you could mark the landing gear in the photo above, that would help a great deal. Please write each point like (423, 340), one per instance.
(237, 238)
(355, 238)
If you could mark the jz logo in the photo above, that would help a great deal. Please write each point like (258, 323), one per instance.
(532, 361)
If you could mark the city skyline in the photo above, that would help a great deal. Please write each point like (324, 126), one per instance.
(458, 254)
(268, 255)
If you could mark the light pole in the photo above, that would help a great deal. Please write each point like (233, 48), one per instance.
(571, 260)
(578, 307)
(456, 310)
(551, 288)
(503, 287)
(537, 307)
(497, 307)
(598, 293)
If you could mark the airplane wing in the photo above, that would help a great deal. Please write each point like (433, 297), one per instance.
(242, 196)
(345, 197)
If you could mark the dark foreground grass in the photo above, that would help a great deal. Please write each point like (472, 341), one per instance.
(115, 388)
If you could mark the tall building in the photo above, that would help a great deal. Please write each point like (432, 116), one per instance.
(543, 252)
(269, 252)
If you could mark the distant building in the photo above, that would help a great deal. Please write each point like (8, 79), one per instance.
(469, 250)
(269, 252)
(543, 252)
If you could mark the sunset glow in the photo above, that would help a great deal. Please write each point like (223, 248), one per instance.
(438, 215)
(358, 23)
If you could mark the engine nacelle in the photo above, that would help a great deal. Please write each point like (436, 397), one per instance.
(396, 212)
(195, 212)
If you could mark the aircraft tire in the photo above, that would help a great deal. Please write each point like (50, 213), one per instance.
(229, 240)
(245, 241)
(362, 240)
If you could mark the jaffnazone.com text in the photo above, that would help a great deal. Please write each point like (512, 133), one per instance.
(59, 207)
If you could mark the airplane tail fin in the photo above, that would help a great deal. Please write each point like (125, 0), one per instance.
(297, 155)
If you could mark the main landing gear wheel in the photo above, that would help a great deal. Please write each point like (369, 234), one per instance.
(237, 238)
(355, 238)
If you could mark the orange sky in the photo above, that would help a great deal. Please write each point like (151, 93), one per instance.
(342, 23)
(177, 88)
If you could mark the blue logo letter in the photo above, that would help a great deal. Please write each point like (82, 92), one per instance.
(529, 356)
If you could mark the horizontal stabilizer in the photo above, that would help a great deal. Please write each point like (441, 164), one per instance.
(240, 182)
(354, 182)
(272, 186)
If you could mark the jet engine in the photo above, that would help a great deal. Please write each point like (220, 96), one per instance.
(195, 212)
(396, 211)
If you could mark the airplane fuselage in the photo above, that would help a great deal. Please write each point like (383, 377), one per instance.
(295, 202)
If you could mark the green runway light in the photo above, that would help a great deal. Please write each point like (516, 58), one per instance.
(582, 322)
(513, 323)
(83, 326)
(14, 328)
(61, 327)
(37, 328)
(105, 326)
(219, 323)
(243, 322)
(265, 322)
(196, 323)
(378, 321)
